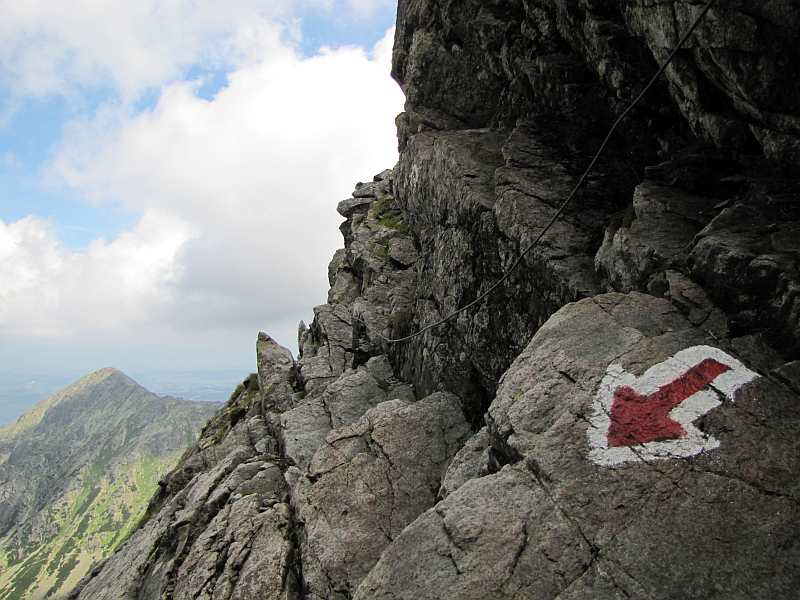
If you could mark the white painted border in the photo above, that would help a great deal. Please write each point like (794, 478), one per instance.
(695, 441)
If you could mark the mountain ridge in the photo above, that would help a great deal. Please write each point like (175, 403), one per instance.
(76, 472)
(32, 417)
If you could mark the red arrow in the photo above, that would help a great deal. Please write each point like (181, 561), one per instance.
(638, 419)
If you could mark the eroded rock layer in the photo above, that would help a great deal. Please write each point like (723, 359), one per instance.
(618, 419)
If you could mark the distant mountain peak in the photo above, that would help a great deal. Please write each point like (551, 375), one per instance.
(76, 472)
(101, 375)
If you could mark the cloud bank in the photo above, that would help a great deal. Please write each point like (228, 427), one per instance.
(237, 194)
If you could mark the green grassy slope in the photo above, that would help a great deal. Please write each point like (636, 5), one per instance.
(76, 473)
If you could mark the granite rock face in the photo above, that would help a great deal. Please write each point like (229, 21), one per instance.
(476, 199)
(617, 419)
(480, 173)
(584, 62)
(241, 515)
(368, 482)
(555, 524)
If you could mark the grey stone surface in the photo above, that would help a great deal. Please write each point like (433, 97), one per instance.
(402, 251)
(667, 219)
(332, 343)
(304, 428)
(276, 373)
(474, 460)
(337, 262)
(476, 199)
(350, 206)
(353, 394)
(380, 369)
(749, 267)
(346, 288)
(583, 63)
(367, 482)
(302, 431)
(497, 537)
(242, 554)
(757, 352)
(376, 279)
(789, 374)
(557, 525)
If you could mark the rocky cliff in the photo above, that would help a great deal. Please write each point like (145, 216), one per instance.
(76, 473)
(619, 419)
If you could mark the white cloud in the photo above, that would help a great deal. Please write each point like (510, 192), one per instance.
(52, 47)
(237, 194)
(51, 292)
(55, 46)
(367, 7)
(29, 256)
(11, 160)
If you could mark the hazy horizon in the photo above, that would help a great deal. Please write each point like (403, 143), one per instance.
(20, 392)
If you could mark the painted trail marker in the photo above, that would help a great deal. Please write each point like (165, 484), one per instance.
(650, 417)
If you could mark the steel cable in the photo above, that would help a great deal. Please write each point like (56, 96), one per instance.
(569, 198)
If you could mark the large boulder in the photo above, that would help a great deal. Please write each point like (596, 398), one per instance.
(277, 373)
(647, 463)
(367, 483)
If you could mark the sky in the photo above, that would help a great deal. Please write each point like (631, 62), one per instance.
(169, 174)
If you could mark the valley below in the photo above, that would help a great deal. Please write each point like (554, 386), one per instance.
(76, 473)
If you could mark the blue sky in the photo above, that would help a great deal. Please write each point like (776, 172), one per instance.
(169, 172)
